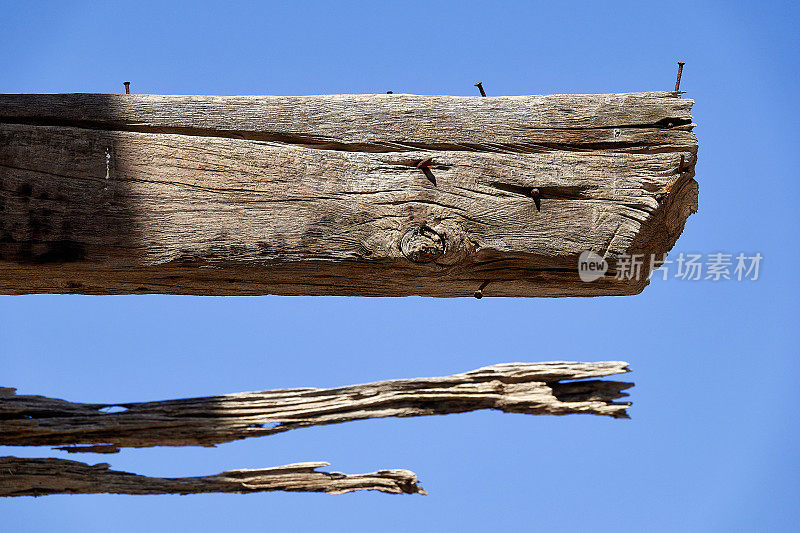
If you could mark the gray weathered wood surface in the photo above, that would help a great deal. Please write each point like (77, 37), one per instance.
(111, 194)
(531, 388)
(39, 477)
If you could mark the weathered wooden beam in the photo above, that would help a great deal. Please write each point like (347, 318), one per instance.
(531, 388)
(111, 194)
(39, 477)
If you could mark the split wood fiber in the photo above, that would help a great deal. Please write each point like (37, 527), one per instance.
(553, 388)
(39, 477)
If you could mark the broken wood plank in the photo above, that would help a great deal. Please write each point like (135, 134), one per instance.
(531, 388)
(116, 194)
(39, 477)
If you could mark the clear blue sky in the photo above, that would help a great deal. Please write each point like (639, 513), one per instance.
(713, 444)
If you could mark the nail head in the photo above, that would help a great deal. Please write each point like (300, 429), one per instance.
(424, 163)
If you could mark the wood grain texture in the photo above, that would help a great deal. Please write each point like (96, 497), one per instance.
(530, 388)
(109, 194)
(39, 477)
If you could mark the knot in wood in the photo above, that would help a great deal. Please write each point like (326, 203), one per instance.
(422, 245)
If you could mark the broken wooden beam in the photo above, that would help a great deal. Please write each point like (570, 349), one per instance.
(39, 477)
(531, 388)
(378, 195)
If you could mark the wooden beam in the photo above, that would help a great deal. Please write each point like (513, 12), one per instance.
(530, 388)
(380, 195)
(39, 477)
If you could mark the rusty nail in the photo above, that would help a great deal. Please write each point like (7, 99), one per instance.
(127, 85)
(423, 166)
(680, 72)
(536, 195)
(479, 293)
(424, 163)
(479, 85)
